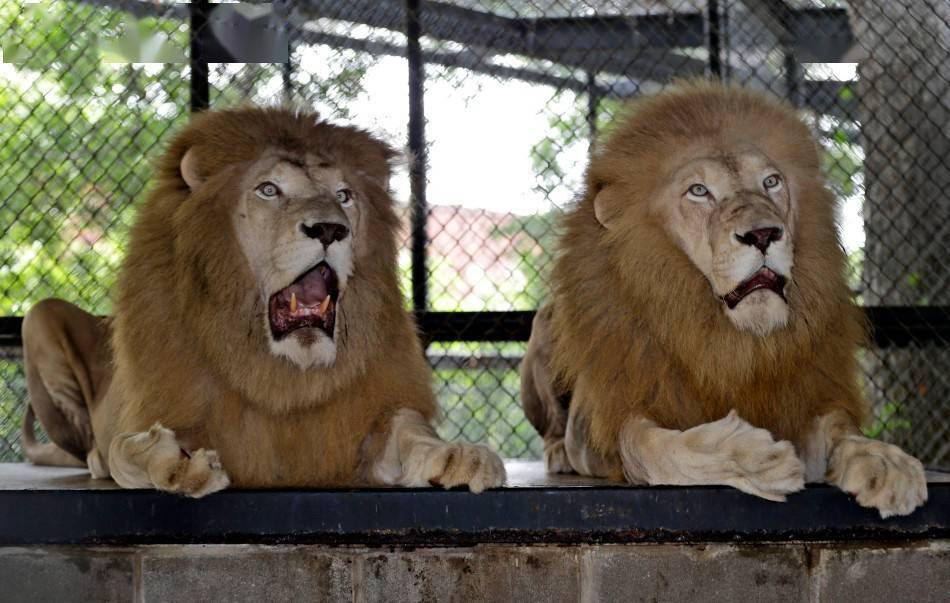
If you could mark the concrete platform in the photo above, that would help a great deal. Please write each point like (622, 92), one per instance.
(65, 537)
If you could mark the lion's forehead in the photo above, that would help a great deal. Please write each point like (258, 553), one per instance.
(296, 173)
(731, 167)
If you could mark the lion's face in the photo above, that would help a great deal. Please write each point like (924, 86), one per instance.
(297, 221)
(732, 212)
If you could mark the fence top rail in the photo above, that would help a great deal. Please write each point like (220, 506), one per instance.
(890, 326)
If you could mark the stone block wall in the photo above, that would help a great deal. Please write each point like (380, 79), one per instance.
(787, 572)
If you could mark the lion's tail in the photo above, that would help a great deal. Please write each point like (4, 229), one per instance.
(40, 453)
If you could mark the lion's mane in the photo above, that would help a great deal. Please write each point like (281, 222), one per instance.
(189, 339)
(638, 330)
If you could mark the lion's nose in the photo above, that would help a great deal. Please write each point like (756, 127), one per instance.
(327, 232)
(760, 238)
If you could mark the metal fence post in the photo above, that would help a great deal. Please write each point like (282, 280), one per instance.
(200, 88)
(417, 146)
(593, 106)
(713, 41)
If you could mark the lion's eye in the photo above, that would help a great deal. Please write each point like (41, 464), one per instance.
(772, 181)
(345, 197)
(698, 190)
(267, 190)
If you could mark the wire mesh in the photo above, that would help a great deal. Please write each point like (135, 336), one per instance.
(515, 94)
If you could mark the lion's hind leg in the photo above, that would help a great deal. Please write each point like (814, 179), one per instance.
(729, 452)
(545, 404)
(66, 365)
(155, 459)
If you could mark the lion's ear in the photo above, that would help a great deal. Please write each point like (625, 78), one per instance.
(191, 170)
(605, 207)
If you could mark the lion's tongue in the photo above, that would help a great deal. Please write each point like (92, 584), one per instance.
(310, 290)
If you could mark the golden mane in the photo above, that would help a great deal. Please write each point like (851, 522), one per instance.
(637, 328)
(187, 305)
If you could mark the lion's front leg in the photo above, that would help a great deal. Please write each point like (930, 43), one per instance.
(879, 475)
(729, 452)
(414, 455)
(155, 459)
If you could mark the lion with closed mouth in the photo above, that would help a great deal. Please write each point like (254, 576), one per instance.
(259, 336)
(701, 330)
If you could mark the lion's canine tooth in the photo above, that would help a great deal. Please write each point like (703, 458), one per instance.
(293, 301)
(324, 305)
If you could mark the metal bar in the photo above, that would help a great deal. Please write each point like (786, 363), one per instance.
(593, 105)
(891, 326)
(417, 146)
(475, 326)
(200, 88)
(645, 66)
(283, 9)
(288, 83)
(815, 35)
(713, 42)
(775, 15)
(605, 43)
(793, 78)
(542, 37)
(286, 73)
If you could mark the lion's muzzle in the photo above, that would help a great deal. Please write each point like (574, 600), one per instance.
(308, 302)
(764, 278)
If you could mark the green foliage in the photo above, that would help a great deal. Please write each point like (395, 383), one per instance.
(73, 160)
(534, 239)
(841, 161)
(139, 41)
(566, 130)
(888, 420)
(481, 405)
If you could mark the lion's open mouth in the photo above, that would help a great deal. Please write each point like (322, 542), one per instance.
(765, 278)
(308, 302)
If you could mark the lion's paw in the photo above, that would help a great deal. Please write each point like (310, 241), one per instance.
(555, 457)
(458, 464)
(172, 469)
(879, 475)
(733, 452)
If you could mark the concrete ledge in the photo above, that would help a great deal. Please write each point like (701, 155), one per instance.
(42, 506)
(634, 572)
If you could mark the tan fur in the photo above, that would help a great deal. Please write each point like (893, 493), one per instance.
(639, 331)
(193, 365)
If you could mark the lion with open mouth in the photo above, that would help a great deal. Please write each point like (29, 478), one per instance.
(701, 330)
(259, 337)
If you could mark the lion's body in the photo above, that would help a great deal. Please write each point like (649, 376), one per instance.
(191, 348)
(641, 335)
(636, 329)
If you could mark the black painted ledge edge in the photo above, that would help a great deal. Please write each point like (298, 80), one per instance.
(426, 517)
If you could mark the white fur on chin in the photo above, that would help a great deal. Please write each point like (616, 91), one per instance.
(760, 313)
(320, 353)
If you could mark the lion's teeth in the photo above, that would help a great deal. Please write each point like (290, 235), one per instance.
(293, 301)
(324, 305)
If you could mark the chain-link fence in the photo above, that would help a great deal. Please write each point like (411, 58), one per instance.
(501, 99)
